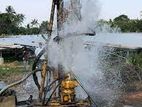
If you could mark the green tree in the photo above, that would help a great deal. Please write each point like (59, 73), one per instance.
(34, 23)
(126, 24)
(122, 22)
(10, 10)
(44, 27)
(139, 25)
(122, 18)
(10, 21)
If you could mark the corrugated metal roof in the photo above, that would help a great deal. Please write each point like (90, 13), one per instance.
(119, 40)
(2, 47)
(17, 41)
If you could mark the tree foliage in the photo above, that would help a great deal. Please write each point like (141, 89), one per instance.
(11, 23)
(44, 27)
(10, 10)
(126, 24)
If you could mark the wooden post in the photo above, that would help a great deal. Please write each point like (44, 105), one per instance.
(1, 58)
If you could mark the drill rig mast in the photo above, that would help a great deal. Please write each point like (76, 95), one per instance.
(56, 4)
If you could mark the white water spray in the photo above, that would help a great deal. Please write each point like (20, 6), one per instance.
(85, 62)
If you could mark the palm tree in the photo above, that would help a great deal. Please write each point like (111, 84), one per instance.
(34, 23)
(10, 9)
(20, 18)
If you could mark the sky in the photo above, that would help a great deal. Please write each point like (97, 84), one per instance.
(114, 8)
(40, 9)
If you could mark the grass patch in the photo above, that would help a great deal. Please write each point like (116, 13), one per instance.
(11, 71)
(7, 71)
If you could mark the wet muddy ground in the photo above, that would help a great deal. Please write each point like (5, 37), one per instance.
(132, 99)
(128, 99)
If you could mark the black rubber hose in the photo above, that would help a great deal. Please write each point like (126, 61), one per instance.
(52, 94)
(47, 85)
(89, 96)
(48, 88)
(35, 78)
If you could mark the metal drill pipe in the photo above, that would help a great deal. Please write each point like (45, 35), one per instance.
(50, 26)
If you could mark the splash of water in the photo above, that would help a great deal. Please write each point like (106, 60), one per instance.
(87, 63)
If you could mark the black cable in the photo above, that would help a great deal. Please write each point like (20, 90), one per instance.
(47, 82)
(89, 96)
(48, 88)
(52, 94)
(35, 78)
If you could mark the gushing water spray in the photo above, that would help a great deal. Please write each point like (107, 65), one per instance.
(85, 62)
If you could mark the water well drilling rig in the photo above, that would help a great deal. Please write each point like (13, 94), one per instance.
(63, 84)
(57, 88)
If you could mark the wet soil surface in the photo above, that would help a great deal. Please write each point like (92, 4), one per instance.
(133, 99)
(129, 99)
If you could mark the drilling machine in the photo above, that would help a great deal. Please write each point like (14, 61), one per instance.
(56, 88)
